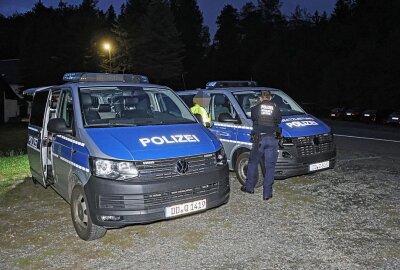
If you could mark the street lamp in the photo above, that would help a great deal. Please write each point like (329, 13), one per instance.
(107, 47)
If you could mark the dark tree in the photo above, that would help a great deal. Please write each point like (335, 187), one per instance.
(153, 44)
(227, 44)
(194, 36)
(251, 27)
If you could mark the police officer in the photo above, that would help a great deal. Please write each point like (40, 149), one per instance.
(266, 118)
(197, 109)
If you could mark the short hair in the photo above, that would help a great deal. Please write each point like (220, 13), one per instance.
(266, 94)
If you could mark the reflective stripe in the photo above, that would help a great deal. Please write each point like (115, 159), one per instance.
(71, 140)
(232, 126)
(34, 129)
(71, 163)
(237, 142)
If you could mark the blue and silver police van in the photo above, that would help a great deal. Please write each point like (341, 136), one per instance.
(122, 151)
(307, 145)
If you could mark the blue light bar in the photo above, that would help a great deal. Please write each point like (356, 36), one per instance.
(227, 84)
(104, 77)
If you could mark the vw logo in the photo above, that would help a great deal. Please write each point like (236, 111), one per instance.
(316, 141)
(182, 166)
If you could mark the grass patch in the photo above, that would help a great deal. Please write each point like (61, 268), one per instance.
(12, 170)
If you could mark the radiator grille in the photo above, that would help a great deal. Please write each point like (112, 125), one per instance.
(155, 200)
(167, 168)
(315, 144)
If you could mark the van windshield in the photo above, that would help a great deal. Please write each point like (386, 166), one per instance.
(286, 105)
(109, 106)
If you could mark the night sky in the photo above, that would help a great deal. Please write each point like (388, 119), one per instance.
(210, 8)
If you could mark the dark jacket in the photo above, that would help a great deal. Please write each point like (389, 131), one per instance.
(266, 117)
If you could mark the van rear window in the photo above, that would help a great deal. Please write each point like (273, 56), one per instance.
(38, 108)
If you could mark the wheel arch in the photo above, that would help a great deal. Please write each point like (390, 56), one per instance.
(77, 177)
(236, 153)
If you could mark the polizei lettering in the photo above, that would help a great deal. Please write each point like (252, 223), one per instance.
(301, 124)
(158, 140)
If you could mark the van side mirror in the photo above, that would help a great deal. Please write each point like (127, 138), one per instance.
(227, 118)
(58, 126)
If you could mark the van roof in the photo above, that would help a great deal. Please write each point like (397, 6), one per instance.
(230, 89)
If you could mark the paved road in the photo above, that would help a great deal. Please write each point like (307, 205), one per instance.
(346, 218)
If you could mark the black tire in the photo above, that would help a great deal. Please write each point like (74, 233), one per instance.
(241, 169)
(80, 215)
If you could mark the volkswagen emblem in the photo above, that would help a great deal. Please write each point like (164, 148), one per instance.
(182, 166)
(316, 141)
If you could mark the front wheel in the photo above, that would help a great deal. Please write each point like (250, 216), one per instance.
(83, 224)
(241, 169)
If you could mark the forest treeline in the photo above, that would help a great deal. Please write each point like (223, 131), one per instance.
(348, 58)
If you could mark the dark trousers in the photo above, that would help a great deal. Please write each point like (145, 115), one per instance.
(267, 147)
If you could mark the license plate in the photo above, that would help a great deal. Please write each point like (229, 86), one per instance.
(348, 113)
(366, 115)
(185, 208)
(332, 114)
(319, 166)
(395, 118)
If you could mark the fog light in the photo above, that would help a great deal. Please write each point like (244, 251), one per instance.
(286, 154)
(110, 218)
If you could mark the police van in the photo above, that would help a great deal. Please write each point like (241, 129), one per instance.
(307, 145)
(122, 151)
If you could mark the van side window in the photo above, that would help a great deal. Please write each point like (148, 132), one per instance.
(38, 108)
(220, 104)
(188, 99)
(67, 110)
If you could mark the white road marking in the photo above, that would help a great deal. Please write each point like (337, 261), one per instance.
(366, 138)
(357, 159)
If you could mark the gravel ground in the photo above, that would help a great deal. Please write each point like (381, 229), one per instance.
(346, 218)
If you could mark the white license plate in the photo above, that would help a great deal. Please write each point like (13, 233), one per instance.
(395, 118)
(332, 114)
(319, 166)
(366, 115)
(348, 113)
(185, 208)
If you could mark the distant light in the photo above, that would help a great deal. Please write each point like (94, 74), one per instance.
(107, 46)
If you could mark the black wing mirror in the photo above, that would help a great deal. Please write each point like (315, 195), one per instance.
(58, 126)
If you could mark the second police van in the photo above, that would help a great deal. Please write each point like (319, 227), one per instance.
(122, 151)
(307, 145)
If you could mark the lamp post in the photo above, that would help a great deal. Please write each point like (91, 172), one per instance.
(107, 47)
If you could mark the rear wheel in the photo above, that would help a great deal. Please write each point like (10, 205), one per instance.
(241, 169)
(83, 224)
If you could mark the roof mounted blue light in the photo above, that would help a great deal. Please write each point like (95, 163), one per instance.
(226, 84)
(104, 77)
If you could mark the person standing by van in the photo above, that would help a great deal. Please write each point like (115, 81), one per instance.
(266, 118)
(197, 108)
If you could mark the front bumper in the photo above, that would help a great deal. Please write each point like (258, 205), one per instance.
(289, 167)
(144, 202)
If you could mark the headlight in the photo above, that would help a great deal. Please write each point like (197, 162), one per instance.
(116, 170)
(221, 157)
